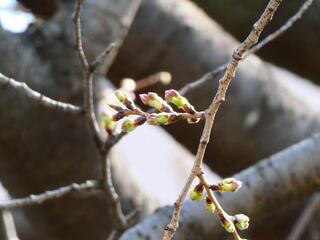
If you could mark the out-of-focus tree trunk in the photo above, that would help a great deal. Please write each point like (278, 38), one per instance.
(266, 109)
(43, 149)
(297, 50)
(270, 186)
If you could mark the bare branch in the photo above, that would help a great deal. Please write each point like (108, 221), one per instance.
(78, 38)
(216, 72)
(304, 218)
(24, 89)
(224, 82)
(101, 57)
(289, 176)
(8, 225)
(88, 186)
(103, 146)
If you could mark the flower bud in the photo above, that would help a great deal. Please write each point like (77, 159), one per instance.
(227, 185)
(241, 221)
(179, 101)
(196, 193)
(108, 123)
(125, 99)
(153, 100)
(129, 125)
(161, 118)
(229, 226)
(209, 205)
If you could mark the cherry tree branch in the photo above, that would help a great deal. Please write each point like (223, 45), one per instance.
(224, 82)
(24, 89)
(217, 71)
(289, 176)
(88, 186)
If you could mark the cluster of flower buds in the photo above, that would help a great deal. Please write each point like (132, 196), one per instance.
(165, 116)
(226, 185)
(229, 223)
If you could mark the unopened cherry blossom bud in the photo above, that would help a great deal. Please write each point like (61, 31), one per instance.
(108, 123)
(227, 185)
(125, 99)
(179, 101)
(196, 194)
(209, 205)
(161, 118)
(153, 100)
(229, 226)
(241, 221)
(129, 124)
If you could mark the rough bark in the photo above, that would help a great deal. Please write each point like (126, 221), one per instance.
(263, 105)
(269, 186)
(43, 149)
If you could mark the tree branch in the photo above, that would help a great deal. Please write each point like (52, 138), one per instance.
(305, 217)
(24, 89)
(224, 82)
(106, 184)
(88, 186)
(288, 176)
(217, 71)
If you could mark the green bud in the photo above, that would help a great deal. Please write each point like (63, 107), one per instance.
(241, 221)
(161, 118)
(229, 226)
(125, 99)
(209, 205)
(179, 101)
(128, 125)
(153, 100)
(196, 194)
(227, 185)
(108, 123)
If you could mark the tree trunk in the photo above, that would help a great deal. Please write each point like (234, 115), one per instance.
(266, 109)
(268, 187)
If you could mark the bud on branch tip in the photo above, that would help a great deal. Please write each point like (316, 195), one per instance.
(152, 99)
(196, 193)
(125, 99)
(227, 185)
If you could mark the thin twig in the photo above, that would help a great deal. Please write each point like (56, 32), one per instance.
(222, 215)
(106, 184)
(9, 228)
(87, 186)
(101, 57)
(216, 72)
(224, 82)
(305, 217)
(87, 74)
(24, 89)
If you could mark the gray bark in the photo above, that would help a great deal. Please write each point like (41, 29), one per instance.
(43, 149)
(269, 186)
(263, 104)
